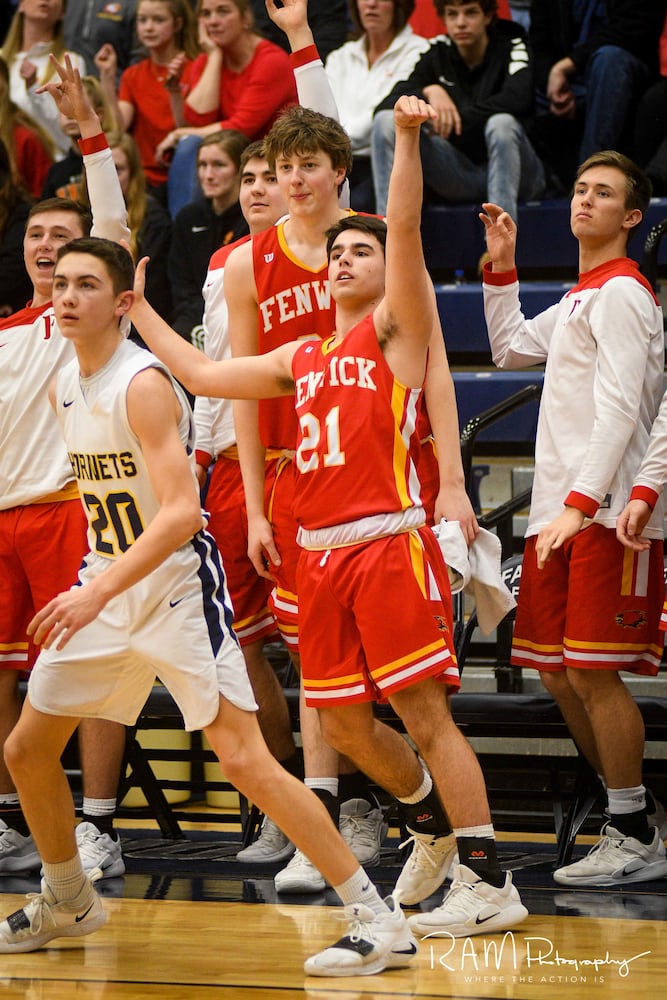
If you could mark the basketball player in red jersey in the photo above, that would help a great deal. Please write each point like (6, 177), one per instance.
(364, 540)
(289, 288)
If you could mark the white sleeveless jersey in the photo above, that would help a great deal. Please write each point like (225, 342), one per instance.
(105, 454)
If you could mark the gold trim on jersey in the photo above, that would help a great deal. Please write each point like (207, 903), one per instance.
(233, 453)
(330, 344)
(282, 241)
(70, 491)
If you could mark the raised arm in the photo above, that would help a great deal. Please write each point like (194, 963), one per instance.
(71, 99)
(41, 108)
(292, 18)
(409, 301)
(515, 342)
(312, 83)
(107, 203)
(408, 290)
(500, 237)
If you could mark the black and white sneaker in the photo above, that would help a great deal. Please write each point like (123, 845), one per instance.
(373, 943)
(43, 918)
(472, 906)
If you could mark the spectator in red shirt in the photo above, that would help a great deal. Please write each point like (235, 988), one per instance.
(241, 81)
(150, 101)
(28, 146)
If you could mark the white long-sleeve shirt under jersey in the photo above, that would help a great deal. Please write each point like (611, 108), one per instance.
(214, 419)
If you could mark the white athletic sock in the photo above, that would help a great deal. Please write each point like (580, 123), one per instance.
(65, 879)
(420, 793)
(325, 784)
(358, 888)
(98, 807)
(623, 801)
(486, 832)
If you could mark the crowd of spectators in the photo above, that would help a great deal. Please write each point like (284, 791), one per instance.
(559, 78)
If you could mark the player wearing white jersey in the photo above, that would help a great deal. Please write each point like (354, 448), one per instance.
(588, 607)
(42, 533)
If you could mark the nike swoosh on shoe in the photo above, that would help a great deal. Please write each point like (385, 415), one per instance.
(82, 916)
(411, 950)
(632, 868)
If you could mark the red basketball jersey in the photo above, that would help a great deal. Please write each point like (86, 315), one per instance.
(358, 441)
(294, 303)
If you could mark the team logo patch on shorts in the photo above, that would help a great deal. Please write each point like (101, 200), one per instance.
(441, 623)
(631, 619)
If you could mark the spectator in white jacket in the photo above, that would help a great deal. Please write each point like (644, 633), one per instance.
(364, 71)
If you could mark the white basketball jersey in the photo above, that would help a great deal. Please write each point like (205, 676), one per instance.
(104, 452)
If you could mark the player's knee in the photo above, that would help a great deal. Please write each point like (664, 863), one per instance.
(344, 732)
(248, 765)
(555, 683)
(336, 730)
(592, 685)
(424, 712)
(236, 772)
(17, 753)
